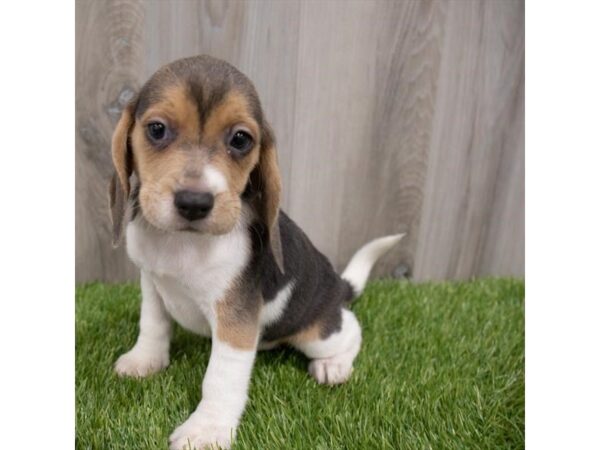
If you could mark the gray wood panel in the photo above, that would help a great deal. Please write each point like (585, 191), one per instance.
(389, 116)
(473, 222)
(109, 55)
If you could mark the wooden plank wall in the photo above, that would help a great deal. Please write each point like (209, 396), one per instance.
(390, 116)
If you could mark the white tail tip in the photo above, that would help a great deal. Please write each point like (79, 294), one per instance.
(360, 265)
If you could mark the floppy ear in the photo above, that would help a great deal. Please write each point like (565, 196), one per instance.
(269, 193)
(122, 161)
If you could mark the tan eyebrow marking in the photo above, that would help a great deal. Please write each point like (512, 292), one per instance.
(234, 109)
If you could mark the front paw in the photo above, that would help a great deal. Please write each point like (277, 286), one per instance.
(140, 363)
(199, 432)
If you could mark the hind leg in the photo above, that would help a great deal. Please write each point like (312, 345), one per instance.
(332, 357)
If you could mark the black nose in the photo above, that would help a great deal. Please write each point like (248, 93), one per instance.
(194, 205)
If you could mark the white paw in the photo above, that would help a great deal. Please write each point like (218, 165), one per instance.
(139, 363)
(198, 433)
(333, 370)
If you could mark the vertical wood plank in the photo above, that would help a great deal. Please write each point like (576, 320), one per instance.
(504, 250)
(109, 59)
(180, 29)
(476, 137)
(334, 100)
(384, 184)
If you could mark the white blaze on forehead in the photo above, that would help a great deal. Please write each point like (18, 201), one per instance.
(214, 179)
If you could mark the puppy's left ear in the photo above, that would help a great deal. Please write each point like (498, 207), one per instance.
(123, 163)
(268, 182)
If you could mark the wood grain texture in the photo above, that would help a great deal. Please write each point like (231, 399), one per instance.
(474, 189)
(394, 161)
(389, 116)
(108, 63)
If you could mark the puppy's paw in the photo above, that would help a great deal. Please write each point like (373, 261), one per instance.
(334, 370)
(140, 363)
(200, 433)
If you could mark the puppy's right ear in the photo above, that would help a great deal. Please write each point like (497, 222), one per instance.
(123, 164)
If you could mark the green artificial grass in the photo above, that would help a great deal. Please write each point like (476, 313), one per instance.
(441, 367)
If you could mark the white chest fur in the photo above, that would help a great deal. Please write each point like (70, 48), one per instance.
(190, 271)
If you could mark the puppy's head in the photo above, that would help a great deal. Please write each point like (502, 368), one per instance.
(197, 140)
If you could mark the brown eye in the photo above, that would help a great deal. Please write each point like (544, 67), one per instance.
(241, 142)
(157, 131)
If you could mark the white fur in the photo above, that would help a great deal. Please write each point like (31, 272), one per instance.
(332, 357)
(184, 275)
(215, 180)
(190, 271)
(224, 395)
(360, 265)
(273, 310)
(151, 351)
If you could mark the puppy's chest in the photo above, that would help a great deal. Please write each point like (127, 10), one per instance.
(190, 271)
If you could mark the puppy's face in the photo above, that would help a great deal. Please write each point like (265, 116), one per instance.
(193, 164)
(196, 138)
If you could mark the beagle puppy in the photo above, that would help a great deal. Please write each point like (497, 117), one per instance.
(197, 191)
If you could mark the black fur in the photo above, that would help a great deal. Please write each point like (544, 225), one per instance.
(208, 80)
(318, 292)
(135, 199)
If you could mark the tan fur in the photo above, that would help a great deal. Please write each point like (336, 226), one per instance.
(269, 180)
(233, 111)
(119, 147)
(310, 334)
(119, 187)
(237, 319)
(163, 172)
(180, 113)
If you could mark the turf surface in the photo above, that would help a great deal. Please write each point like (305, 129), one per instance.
(441, 367)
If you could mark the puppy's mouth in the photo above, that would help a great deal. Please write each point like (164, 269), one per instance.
(191, 227)
(190, 213)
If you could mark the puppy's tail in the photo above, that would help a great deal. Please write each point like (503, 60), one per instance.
(358, 269)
